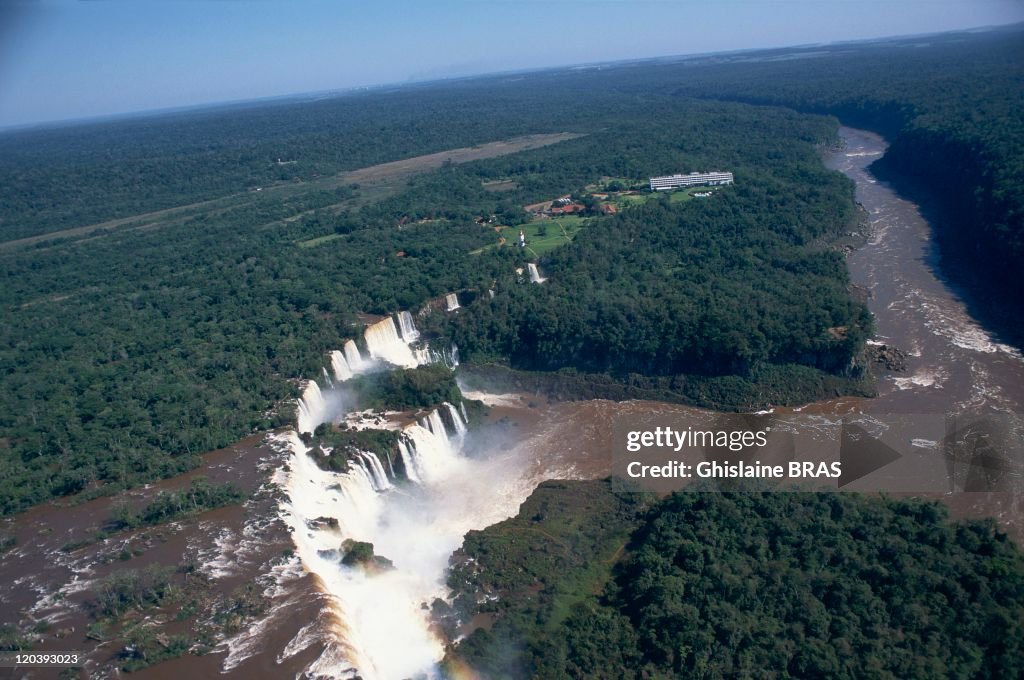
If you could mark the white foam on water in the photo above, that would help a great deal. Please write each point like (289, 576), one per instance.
(383, 625)
(384, 343)
(949, 319)
(929, 377)
(492, 399)
(307, 636)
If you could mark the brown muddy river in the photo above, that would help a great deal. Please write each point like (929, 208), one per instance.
(956, 369)
(955, 365)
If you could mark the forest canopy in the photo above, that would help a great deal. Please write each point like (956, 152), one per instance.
(587, 583)
(131, 349)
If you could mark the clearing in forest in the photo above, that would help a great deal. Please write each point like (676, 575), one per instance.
(375, 176)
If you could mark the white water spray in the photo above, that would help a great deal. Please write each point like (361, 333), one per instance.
(409, 332)
(384, 343)
(340, 366)
(353, 357)
(385, 629)
(378, 619)
(312, 408)
(535, 276)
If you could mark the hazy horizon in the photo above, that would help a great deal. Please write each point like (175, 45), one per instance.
(63, 61)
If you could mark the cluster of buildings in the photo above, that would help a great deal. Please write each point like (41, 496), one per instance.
(564, 206)
(693, 179)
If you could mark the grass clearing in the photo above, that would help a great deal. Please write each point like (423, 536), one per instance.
(674, 196)
(542, 235)
(500, 185)
(314, 242)
(628, 200)
(386, 175)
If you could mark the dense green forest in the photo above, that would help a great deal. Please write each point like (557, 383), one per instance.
(951, 107)
(130, 350)
(135, 350)
(586, 583)
(423, 387)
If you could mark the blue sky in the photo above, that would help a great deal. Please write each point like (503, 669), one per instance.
(67, 59)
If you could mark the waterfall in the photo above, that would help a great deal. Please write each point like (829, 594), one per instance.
(452, 300)
(535, 276)
(406, 448)
(435, 424)
(352, 356)
(378, 624)
(371, 463)
(456, 419)
(356, 487)
(384, 343)
(431, 452)
(426, 448)
(312, 409)
(423, 355)
(452, 420)
(449, 358)
(409, 332)
(348, 497)
(340, 366)
(462, 408)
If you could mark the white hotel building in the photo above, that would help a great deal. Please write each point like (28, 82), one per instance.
(692, 180)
